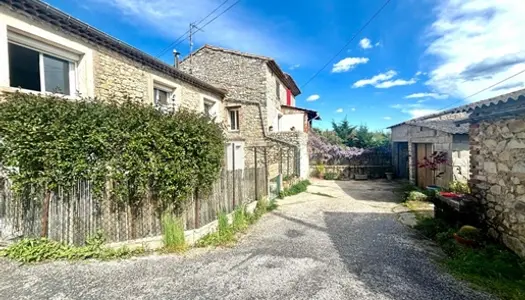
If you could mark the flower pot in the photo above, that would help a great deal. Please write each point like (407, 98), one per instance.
(361, 176)
(464, 241)
(389, 175)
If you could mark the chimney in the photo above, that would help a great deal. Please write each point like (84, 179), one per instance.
(176, 58)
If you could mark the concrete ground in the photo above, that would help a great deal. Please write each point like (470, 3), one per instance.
(341, 240)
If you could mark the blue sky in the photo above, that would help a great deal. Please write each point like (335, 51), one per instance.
(415, 58)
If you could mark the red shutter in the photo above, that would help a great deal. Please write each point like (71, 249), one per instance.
(288, 97)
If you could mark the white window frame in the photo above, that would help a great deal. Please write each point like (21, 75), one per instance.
(215, 113)
(45, 49)
(171, 91)
(230, 121)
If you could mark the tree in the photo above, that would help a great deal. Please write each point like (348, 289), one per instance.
(344, 131)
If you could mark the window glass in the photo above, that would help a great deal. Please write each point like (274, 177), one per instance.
(161, 97)
(56, 72)
(234, 119)
(24, 68)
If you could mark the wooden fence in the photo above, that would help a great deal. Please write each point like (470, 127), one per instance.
(373, 163)
(75, 215)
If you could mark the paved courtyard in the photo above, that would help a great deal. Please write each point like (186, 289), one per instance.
(347, 246)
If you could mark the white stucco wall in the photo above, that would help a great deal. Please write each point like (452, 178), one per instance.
(289, 121)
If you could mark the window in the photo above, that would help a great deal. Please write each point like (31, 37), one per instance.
(161, 96)
(210, 109)
(234, 119)
(33, 70)
(277, 89)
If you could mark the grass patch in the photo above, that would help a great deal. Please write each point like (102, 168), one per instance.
(38, 250)
(489, 266)
(295, 189)
(241, 219)
(173, 234)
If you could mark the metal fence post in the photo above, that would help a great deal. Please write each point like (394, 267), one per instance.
(233, 173)
(256, 187)
(266, 172)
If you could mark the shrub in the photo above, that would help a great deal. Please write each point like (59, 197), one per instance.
(320, 170)
(416, 196)
(37, 250)
(173, 233)
(331, 176)
(458, 187)
(137, 148)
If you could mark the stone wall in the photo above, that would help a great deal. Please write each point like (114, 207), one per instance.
(273, 103)
(299, 140)
(243, 77)
(116, 76)
(498, 178)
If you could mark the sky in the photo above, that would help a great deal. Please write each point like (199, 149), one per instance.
(417, 57)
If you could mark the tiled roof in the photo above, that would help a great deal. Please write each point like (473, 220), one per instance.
(513, 96)
(285, 78)
(43, 12)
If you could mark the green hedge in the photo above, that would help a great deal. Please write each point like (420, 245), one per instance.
(51, 142)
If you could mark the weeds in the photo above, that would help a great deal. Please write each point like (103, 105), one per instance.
(38, 250)
(295, 189)
(173, 234)
(489, 266)
(226, 232)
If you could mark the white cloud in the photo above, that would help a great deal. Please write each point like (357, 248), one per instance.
(418, 73)
(236, 29)
(427, 95)
(314, 97)
(365, 43)
(493, 31)
(348, 64)
(382, 81)
(420, 112)
(392, 83)
(396, 106)
(376, 79)
(387, 118)
(339, 110)
(296, 66)
(353, 109)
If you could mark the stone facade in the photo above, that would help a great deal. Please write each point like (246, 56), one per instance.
(498, 178)
(116, 76)
(252, 89)
(456, 146)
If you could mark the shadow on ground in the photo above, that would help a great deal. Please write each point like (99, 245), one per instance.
(371, 190)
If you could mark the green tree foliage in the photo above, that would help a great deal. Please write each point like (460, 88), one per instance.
(344, 130)
(130, 147)
(343, 133)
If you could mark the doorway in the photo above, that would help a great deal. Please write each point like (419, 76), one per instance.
(424, 176)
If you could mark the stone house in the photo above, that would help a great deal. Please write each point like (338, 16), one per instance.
(497, 165)
(43, 50)
(418, 138)
(260, 101)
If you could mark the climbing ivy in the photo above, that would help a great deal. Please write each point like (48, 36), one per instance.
(128, 150)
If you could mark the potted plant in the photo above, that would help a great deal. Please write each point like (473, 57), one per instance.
(468, 235)
(320, 170)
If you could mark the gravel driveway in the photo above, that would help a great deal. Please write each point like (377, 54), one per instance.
(348, 246)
